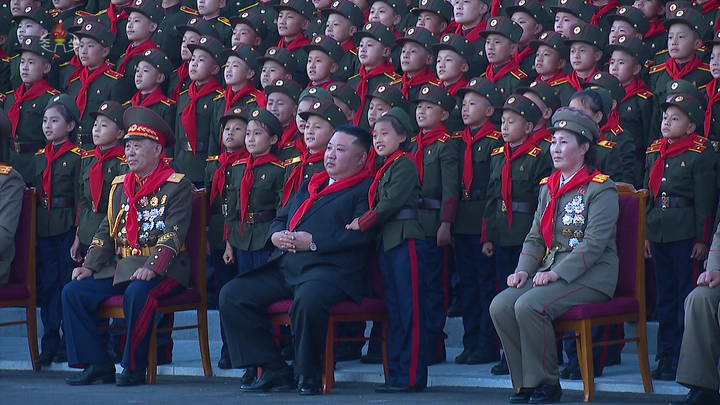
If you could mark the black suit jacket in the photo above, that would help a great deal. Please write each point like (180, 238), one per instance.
(341, 256)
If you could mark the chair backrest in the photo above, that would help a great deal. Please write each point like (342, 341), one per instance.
(196, 240)
(23, 265)
(630, 241)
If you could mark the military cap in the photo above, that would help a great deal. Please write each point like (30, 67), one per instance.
(442, 8)
(244, 52)
(5, 125)
(576, 121)
(252, 20)
(326, 45)
(347, 94)
(328, 111)
(303, 7)
(632, 16)
(402, 116)
(289, 87)
(317, 93)
(633, 46)
(68, 102)
(678, 4)
(149, 8)
(607, 82)
(546, 93)
(143, 123)
(420, 36)
(391, 95)
(531, 7)
(37, 14)
(458, 44)
(579, 8)
(267, 118)
(282, 56)
(6, 25)
(112, 110)
(684, 87)
(605, 97)
(505, 27)
(97, 31)
(523, 106)
(34, 44)
(158, 59)
(80, 20)
(688, 17)
(689, 105)
(211, 45)
(589, 34)
(552, 40)
(484, 87)
(398, 6)
(714, 41)
(349, 10)
(377, 32)
(200, 26)
(436, 95)
(237, 112)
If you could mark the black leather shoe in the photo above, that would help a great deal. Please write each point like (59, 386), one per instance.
(93, 373)
(308, 385)
(481, 356)
(272, 380)
(249, 376)
(546, 394)
(522, 396)
(224, 363)
(501, 368)
(699, 396)
(130, 378)
(571, 371)
(60, 355)
(346, 353)
(402, 389)
(665, 370)
(436, 358)
(44, 359)
(371, 359)
(462, 358)
(288, 353)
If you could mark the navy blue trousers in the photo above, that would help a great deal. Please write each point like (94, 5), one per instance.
(247, 261)
(54, 270)
(223, 273)
(80, 300)
(434, 260)
(506, 261)
(403, 282)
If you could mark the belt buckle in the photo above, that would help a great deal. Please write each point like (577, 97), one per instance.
(504, 207)
(665, 201)
(16, 146)
(224, 209)
(93, 208)
(45, 202)
(251, 218)
(466, 195)
(190, 149)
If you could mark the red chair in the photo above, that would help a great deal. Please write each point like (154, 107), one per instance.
(628, 304)
(21, 291)
(193, 299)
(369, 309)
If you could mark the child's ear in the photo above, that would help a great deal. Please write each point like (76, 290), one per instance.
(464, 68)
(386, 52)
(334, 67)
(661, 12)
(153, 27)
(216, 69)
(637, 69)
(353, 30)
(105, 52)
(120, 134)
(483, 8)
(538, 30)
(691, 128)
(250, 74)
(563, 63)
(273, 140)
(47, 68)
(547, 114)
(396, 20)
(305, 24)
(513, 49)
(430, 59)
(445, 116)
(71, 126)
(160, 79)
(490, 111)
(529, 126)
(3, 39)
(598, 55)
(443, 27)
(698, 43)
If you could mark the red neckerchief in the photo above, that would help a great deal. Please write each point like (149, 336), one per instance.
(296, 43)
(349, 46)
(3, 54)
(371, 162)
(495, 8)
(298, 173)
(97, 174)
(424, 139)
(300, 145)
(557, 76)
(576, 81)
(248, 181)
(189, 115)
(261, 99)
(713, 99)
(372, 194)
(603, 11)
(289, 134)
(521, 150)
(86, 79)
(75, 62)
(668, 150)
(467, 136)
(613, 121)
(656, 28)
(231, 98)
(522, 55)
(504, 71)
(183, 73)
(148, 185)
(541, 134)
(155, 97)
(425, 77)
(710, 6)
(676, 73)
(319, 180)
(363, 88)
(635, 87)
(23, 94)
(453, 89)
(225, 160)
(473, 36)
(51, 157)
(133, 50)
(581, 179)
(115, 18)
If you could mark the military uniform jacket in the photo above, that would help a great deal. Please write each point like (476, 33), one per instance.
(564, 89)
(270, 16)
(216, 222)
(626, 147)
(289, 152)
(393, 79)
(167, 36)
(166, 109)
(121, 39)
(527, 172)
(65, 184)
(11, 198)
(610, 160)
(89, 218)
(310, 170)
(636, 116)
(162, 230)
(223, 27)
(399, 189)
(690, 175)
(5, 84)
(348, 67)
(512, 81)
(594, 264)
(174, 81)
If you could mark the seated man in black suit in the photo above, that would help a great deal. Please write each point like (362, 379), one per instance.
(318, 263)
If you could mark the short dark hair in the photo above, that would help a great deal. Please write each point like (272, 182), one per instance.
(274, 147)
(363, 139)
(591, 156)
(400, 129)
(591, 100)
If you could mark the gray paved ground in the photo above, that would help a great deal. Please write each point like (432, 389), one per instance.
(24, 387)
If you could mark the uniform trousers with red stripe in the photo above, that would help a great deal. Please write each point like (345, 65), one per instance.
(80, 301)
(435, 260)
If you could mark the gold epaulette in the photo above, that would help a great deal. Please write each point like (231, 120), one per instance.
(456, 136)
(656, 142)
(184, 91)
(9, 92)
(558, 82)
(393, 76)
(219, 96)
(252, 100)
(82, 13)
(224, 21)
(600, 178)
(168, 102)
(113, 75)
(247, 8)
(497, 151)
(167, 160)
(495, 135)
(652, 149)
(239, 162)
(657, 68)
(212, 158)
(697, 148)
(175, 178)
(74, 79)
(53, 92)
(292, 161)
(617, 130)
(119, 179)
(646, 95)
(701, 140)
(5, 169)
(127, 103)
(352, 77)
(13, 57)
(444, 138)
(704, 67)
(101, 12)
(519, 74)
(535, 152)
(6, 60)
(607, 144)
(88, 154)
(189, 10)
(544, 181)
(278, 164)
(54, 13)
(77, 151)
(40, 152)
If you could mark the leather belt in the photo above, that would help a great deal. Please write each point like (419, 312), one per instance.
(85, 139)
(430, 204)
(675, 202)
(260, 217)
(25, 147)
(520, 207)
(145, 251)
(67, 202)
(474, 195)
(406, 214)
(201, 147)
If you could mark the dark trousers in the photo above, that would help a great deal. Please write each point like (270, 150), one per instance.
(54, 270)
(506, 261)
(674, 278)
(477, 286)
(243, 302)
(403, 282)
(223, 274)
(80, 300)
(434, 259)
(247, 261)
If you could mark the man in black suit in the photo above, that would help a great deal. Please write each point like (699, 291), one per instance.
(317, 263)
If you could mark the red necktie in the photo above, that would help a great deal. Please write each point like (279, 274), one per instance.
(225, 160)
(667, 150)
(183, 73)
(672, 68)
(133, 50)
(289, 134)
(248, 181)
(51, 157)
(424, 140)
(522, 150)
(298, 173)
(115, 18)
(150, 184)
(495, 8)
(372, 194)
(189, 115)
(86, 79)
(423, 78)
(231, 98)
(470, 140)
(581, 178)
(21, 96)
(149, 100)
(364, 87)
(656, 28)
(97, 174)
(604, 10)
(714, 98)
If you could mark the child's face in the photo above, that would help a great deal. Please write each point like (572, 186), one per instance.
(530, 27)
(624, 67)
(499, 49)
(429, 115)
(564, 23)
(361, 4)
(139, 27)
(619, 28)
(210, 8)
(244, 34)
(28, 27)
(338, 28)
(17, 6)
(237, 72)
(651, 8)
(372, 53)
(414, 58)
(105, 132)
(676, 124)
(514, 128)
(271, 71)
(257, 140)
(317, 133)
(321, 4)
(290, 23)
(233, 136)
(469, 12)
(450, 66)
(682, 42)
(583, 57)
(282, 107)
(189, 38)
(715, 62)
(386, 140)
(303, 106)
(91, 53)
(349, 114)
(202, 66)
(63, 5)
(147, 77)
(431, 22)
(475, 110)
(320, 66)
(384, 14)
(33, 67)
(55, 128)
(548, 61)
(376, 109)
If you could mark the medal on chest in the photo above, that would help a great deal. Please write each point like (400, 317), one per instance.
(573, 216)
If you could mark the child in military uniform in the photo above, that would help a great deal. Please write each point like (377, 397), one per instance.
(210, 10)
(416, 60)
(501, 39)
(283, 96)
(531, 16)
(627, 21)
(455, 55)
(570, 13)
(390, 13)
(278, 63)
(143, 19)
(293, 19)
(191, 33)
(31, 21)
(5, 28)
(344, 19)
(712, 112)
(167, 36)
(346, 98)
(654, 12)
(382, 99)
(250, 28)
(470, 18)
(308, 97)
(241, 68)
(57, 169)
(547, 100)
(324, 56)
(586, 50)
(115, 18)
(151, 75)
(551, 58)
(434, 15)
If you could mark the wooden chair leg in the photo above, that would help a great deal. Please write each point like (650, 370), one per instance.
(642, 348)
(204, 343)
(152, 356)
(31, 318)
(585, 357)
(328, 378)
(384, 348)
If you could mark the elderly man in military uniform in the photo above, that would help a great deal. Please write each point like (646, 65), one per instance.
(138, 252)
(11, 196)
